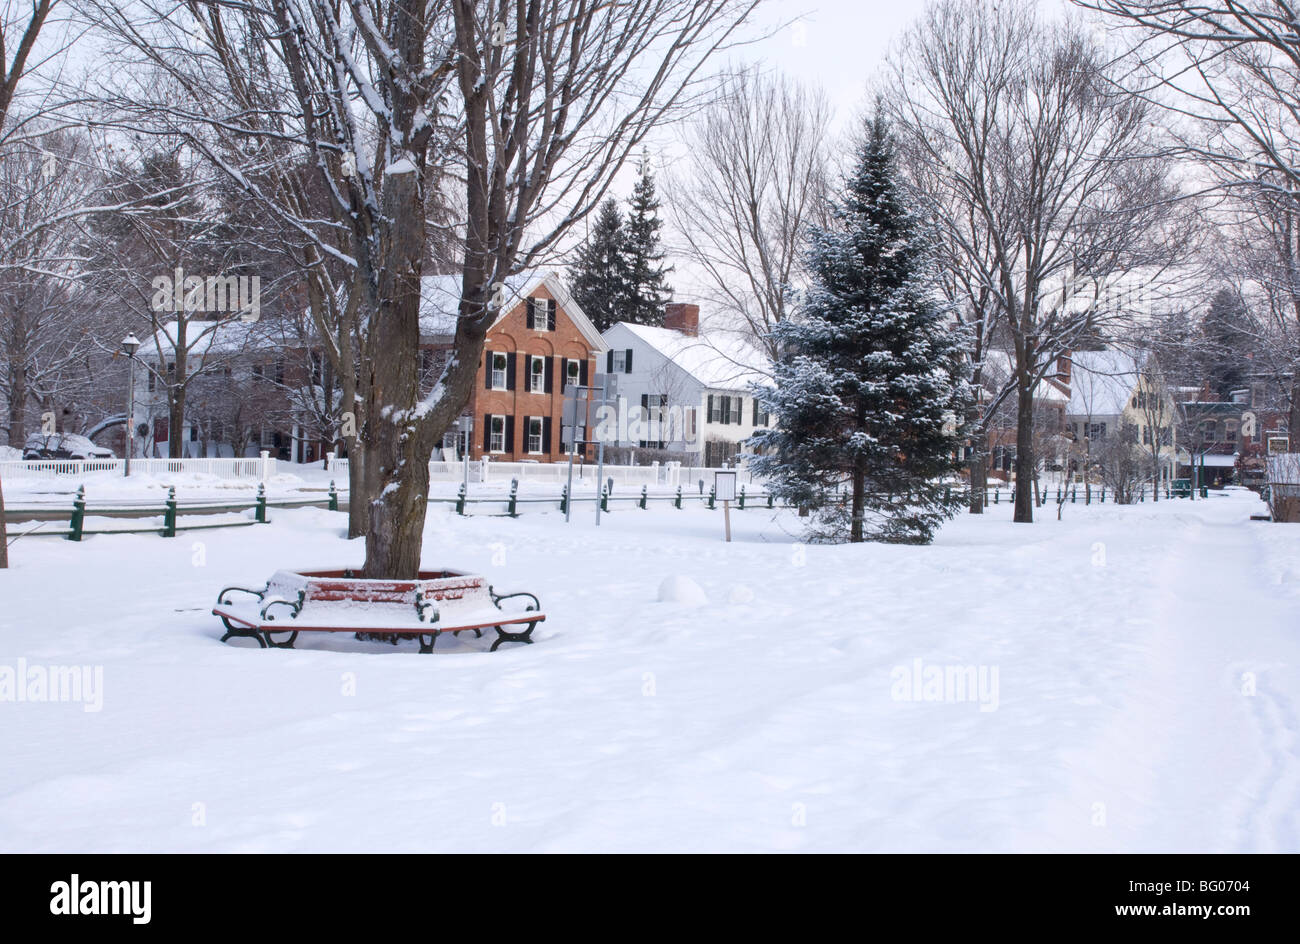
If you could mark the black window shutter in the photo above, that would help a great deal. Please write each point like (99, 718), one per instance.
(510, 432)
(487, 380)
(510, 371)
(546, 434)
(627, 365)
(582, 373)
(532, 313)
(739, 411)
(645, 401)
(550, 315)
(609, 362)
(487, 432)
(755, 411)
(550, 373)
(708, 417)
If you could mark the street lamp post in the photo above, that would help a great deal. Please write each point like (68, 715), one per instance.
(130, 344)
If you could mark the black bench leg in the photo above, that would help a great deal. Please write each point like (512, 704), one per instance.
(426, 647)
(242, 632)
(504, 636)
(287, 644)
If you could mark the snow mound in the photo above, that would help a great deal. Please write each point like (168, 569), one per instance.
(740, 595)
(681, 589)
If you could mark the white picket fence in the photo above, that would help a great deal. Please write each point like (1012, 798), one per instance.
(257, 469)
(486, 470)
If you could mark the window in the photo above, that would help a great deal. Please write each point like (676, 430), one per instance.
(618, 362)
(534, 443)
(499, 376)
(536, 374)
(760, 415)
(572, 372)
(541, 314)
(1146, 435)
(715, 409)
(1097, 431)
(497, 434)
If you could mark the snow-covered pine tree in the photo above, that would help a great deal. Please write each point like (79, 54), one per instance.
(870, 390)
(645, 256)
(601, 281)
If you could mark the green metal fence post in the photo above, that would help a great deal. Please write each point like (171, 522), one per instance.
(604, 498)
(169, 516)
(677, 502)
(564, 498)
(261, 502)
(643, 497)
(712, 491)
(460, 499)
(78, 515)
(334, 497)
(740, 504)
(514, 498)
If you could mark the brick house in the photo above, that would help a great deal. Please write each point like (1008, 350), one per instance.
(541, 343)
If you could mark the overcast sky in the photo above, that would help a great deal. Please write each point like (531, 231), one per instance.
(839, 45)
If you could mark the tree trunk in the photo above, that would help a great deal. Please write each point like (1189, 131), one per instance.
(1024, 513)
(175, 421)
(397, 454)
(1293, 416)
(358, 506)
(176, 389)
(4, 531)
(979, 472)
(859, 503)
(18, 410)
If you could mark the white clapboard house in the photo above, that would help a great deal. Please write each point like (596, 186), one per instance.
(682, 393)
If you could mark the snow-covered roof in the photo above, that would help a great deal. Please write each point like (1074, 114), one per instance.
(206, 337)
(1102, 382)
(999, 366)
(717, 361)
(440, 303)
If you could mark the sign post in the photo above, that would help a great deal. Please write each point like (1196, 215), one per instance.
(577, 415)
(724, 489)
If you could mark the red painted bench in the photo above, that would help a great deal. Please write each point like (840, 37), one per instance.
(335, 601)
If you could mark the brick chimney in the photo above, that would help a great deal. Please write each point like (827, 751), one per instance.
(682, 317)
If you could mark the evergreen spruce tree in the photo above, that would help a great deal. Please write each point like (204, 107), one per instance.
(871, 390)
(645, 257)
(600, 279)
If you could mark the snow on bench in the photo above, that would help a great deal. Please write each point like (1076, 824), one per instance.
(332, 601)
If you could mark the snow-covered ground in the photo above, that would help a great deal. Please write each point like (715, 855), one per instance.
(1140, 669)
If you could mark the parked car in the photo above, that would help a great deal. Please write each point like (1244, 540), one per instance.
(63, 446)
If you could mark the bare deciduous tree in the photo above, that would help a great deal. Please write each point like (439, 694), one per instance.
(532, 107)
(755, 181)
(1037, 139)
